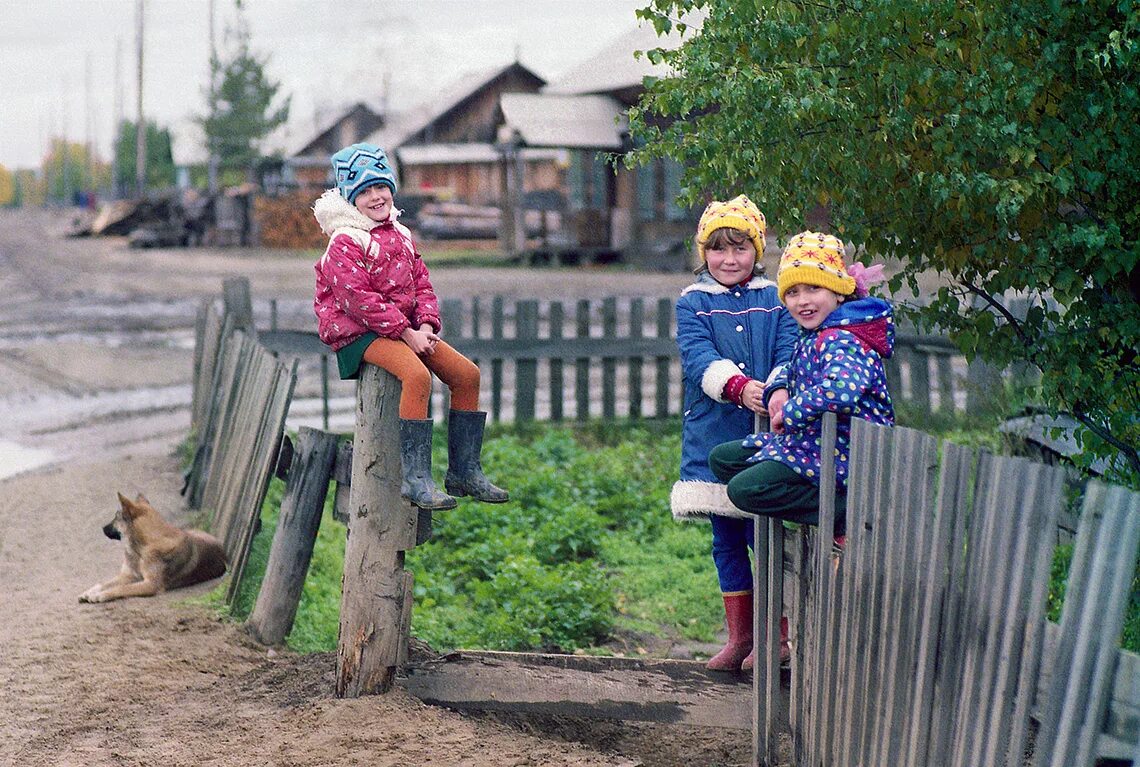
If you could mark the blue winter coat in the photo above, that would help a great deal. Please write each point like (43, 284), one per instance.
(723, 332)
(836, 367)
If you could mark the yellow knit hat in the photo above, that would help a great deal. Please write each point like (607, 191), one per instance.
(738, 213)
(812, 258)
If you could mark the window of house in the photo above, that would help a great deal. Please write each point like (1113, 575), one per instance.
(658, 185)
(588, 179)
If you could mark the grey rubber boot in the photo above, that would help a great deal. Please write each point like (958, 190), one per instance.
(415, 459)
(464, 471)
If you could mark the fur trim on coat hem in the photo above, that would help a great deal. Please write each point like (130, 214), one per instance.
(693, 501)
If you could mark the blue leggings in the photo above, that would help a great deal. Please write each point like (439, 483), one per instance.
(731, 540)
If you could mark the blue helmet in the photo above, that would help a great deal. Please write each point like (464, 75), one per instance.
(360, 166)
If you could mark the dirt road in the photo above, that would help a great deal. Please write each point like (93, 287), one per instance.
(95, 358)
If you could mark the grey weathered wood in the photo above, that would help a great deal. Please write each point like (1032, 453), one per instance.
(912, 494)
(797, 623)
(261, 463)
(236, 298)
(628, 689)
(382, 526)
(557, 382)
(820, 678)
(342, 475)
(636, 321)
(951, 488)
(526, 369)
(497, 323)
(582, 362)
(1104, 560)
(773, 709)
(920, 380)
(866, 681)
(760, 554)
(615, 338)
(1013, 729)
(945, 383)
(609, 363)
(661, 361)
(297, 525)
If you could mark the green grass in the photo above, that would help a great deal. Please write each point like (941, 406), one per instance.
(585, 551)
(585, 548)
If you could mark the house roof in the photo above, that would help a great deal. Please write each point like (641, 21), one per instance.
(420, 118)
(333, 120)
(458, 154)
(615, 68)
(573, 122)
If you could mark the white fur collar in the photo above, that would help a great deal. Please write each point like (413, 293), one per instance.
(706, 284)
(334, 212)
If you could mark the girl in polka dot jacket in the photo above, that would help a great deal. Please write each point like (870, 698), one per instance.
(837, 366)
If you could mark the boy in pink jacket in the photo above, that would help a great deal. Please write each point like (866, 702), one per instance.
(374, 303)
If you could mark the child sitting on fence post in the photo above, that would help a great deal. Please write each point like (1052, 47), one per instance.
(837, 365)
(733, 334)
(375, 303)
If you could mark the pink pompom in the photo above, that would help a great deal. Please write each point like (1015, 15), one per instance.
(865, 277)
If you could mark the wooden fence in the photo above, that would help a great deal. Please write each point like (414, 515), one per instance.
(925, 642)
(241, 396)
(617, 357)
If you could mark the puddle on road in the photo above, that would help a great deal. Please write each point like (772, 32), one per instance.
(15, 458)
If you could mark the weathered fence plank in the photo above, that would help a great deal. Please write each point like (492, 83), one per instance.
(1104, 560)
(297, 525)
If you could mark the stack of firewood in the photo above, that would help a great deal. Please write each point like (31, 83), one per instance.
(287, 222)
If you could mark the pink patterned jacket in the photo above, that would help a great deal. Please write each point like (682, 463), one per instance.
(369, 278)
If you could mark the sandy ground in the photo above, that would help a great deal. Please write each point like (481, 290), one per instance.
(95, 359)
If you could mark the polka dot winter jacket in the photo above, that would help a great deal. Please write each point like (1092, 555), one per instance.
(370, 277)
(837, 367)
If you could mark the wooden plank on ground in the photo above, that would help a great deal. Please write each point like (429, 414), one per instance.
(630, 689)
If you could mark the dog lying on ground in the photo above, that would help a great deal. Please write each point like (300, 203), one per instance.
(158, 556)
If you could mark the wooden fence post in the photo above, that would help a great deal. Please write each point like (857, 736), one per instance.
(239, 305)
(301, 510)
(381, 527)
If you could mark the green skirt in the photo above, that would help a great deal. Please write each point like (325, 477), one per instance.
(348, 359)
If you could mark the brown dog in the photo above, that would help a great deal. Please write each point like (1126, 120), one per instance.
(158, 556)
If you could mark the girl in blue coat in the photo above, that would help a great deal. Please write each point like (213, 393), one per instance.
(734, 338)
(837, 366)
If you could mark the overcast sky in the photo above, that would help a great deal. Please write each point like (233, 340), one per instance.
(58, 73)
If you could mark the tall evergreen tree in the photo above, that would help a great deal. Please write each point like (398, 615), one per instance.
(241, 112)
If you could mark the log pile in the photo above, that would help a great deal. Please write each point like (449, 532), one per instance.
(287, 222)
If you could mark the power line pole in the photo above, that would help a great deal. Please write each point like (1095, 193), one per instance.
(140, 127)
(211, 148)
(89, 120)
(116, 135)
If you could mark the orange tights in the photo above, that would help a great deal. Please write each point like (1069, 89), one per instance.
(459, 373)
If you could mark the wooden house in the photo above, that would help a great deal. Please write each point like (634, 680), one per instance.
(446, 147)
(630, 210)
(309, 165)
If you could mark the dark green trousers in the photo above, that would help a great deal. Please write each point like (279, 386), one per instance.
(769, 488)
